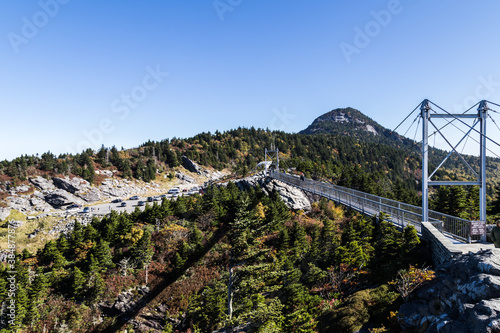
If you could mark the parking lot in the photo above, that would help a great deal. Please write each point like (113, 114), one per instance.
(130, 204)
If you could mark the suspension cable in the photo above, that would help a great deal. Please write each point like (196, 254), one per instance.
(408, 116)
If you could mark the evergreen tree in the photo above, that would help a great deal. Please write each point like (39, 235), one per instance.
(77, 284)
(102, 253)
(142, 252)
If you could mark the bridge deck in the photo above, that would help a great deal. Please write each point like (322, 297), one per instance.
(399, 213)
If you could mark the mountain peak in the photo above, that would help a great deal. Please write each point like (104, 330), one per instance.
(343, 121)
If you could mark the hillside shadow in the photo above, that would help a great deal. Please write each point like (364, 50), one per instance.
(122, 319)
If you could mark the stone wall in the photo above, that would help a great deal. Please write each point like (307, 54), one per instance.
(441, 247)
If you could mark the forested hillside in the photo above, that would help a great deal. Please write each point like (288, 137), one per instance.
(233, 259)
(381, 165)
(226, 259)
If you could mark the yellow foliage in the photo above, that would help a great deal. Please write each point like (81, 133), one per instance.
(174, 232)
(410, 279)
(334, 212)
(133, 236)
(82, 250)
(260, 211)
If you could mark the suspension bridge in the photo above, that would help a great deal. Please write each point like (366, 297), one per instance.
(402, 214)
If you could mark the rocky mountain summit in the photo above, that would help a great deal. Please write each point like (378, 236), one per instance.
(341, 120)
(464, 297)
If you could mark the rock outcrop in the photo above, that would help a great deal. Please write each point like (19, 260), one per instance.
(59, 198)
(293, 197)
(184, 177)
(71, 185)
(464, 297)
(191, 165)
(42, 183)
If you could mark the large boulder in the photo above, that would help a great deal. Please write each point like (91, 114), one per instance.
(39, 204)
(42, 183)
(71, 185)
(59, 198)
(20, 203)
(293, 197)
(191, 165)
(90, 196)
(184, 177)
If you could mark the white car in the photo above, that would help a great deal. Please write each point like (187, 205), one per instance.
(174, 192)
(194, 190)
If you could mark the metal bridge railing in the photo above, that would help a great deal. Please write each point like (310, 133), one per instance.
(399, 213)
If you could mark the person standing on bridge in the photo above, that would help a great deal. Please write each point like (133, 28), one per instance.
(495, 234)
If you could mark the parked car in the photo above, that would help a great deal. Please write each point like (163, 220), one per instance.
(117, 200)
(157, 198)
(174, 192)
(141, 203)
(74, 206)
(193, 190)
(150, 199)
(135, 197)
(86, 210)
(123, 204)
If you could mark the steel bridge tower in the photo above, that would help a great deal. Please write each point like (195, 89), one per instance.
(479, 118)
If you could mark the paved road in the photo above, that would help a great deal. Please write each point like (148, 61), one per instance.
(106, 208)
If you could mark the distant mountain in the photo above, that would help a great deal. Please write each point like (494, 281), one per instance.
(347, 121)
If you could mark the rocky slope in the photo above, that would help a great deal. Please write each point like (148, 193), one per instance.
(464, 297)
(45, 194)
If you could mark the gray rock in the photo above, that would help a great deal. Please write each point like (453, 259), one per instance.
(58, 198)
(39, 204)
(106, 173)
(42, 183)
(191, 165)
(91, 196)
(71, 185)
(4, 213)
(293, 197)
(20, 203)
(464, 297)
(184, 177)
(21, 188)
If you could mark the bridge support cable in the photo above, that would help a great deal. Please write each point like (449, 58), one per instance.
(424, 109)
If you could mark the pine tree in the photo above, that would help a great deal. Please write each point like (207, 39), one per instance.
(411, 239)
(298, 238)
(59, 261)
(142, 252)
(102, 253)
(77, 284)
(49, 252)
(495, 204)
(328, 238)
(38, 291)
(97, 289)
(63, 245)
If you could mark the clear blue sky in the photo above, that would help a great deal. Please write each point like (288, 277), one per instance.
(78, 74)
